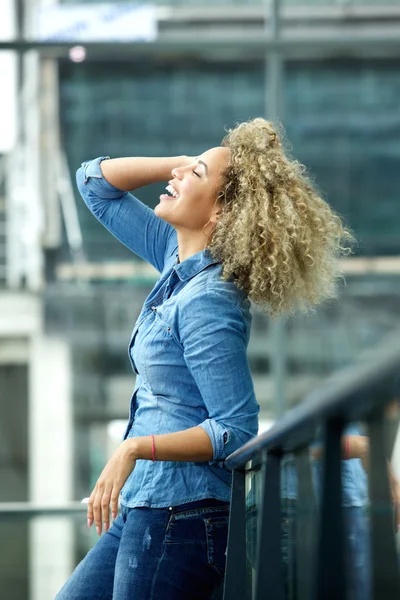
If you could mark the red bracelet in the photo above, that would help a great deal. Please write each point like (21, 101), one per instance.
(347, 448)
(153, 449)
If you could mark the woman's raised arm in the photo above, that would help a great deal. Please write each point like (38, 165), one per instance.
(132, 173)
(105, 188)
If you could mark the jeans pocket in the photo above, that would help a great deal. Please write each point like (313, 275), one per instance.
(217, 538)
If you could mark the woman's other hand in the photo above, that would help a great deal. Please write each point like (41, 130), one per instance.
(109, 485)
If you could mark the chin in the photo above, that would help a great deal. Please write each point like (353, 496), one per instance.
(159, 213)
(158, 210)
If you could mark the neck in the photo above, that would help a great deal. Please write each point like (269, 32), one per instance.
(188, 246)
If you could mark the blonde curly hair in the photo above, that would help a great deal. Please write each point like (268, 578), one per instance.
(276, 237)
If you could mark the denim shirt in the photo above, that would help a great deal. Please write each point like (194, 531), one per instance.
(188, 349)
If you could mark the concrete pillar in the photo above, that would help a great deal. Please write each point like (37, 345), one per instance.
(50, 462)
(8, 70)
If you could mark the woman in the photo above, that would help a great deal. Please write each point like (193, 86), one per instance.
(240, 222)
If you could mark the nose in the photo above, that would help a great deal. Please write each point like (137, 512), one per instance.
(177, 172)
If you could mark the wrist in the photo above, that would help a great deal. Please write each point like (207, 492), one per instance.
(140, 447)
(133, 448)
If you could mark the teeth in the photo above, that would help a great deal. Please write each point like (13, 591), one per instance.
(171, 191)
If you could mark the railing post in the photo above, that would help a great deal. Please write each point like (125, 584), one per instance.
(330, 571)
(305, 520)
(269, 574)
(235, 585)
(385, 569)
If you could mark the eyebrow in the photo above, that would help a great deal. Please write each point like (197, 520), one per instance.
(201, 162)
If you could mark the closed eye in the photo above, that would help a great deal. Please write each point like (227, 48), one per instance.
(194, 173)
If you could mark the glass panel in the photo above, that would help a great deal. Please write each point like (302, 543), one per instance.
(299, 525)
(382, 467)
(392, 437)
(253, 503)
(301, 497)
(302, 481)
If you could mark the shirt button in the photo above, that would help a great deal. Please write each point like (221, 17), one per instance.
(169, 507)
(154, 308)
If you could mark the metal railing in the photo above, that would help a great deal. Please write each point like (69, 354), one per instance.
(359, 392)
(29, 510)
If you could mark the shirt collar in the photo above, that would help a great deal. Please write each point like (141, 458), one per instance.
(194, 264)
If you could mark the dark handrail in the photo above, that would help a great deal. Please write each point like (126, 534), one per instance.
(350, 393)
(358, 392)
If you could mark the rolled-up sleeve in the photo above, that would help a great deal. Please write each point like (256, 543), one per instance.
(132, 222)
(213, 334)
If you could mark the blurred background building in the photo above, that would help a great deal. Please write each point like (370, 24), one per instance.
(167, 79)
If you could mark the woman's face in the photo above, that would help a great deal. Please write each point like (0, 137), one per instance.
(196, 186)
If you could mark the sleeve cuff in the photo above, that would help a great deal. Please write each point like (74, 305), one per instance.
(90, 176)
(91, 168)
(220, 440)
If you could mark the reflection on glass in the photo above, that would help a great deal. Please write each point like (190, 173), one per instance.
(301, 496)
(302, 492)
(253, 502)
(291, 516)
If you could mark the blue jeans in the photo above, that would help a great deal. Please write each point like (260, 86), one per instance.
(175, 553)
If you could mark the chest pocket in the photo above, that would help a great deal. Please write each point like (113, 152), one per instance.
(155, 340)
(162, 332)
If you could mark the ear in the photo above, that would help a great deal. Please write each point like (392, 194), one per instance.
(215, 216)
(216, 212)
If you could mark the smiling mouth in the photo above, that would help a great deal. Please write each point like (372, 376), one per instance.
(171, 191)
